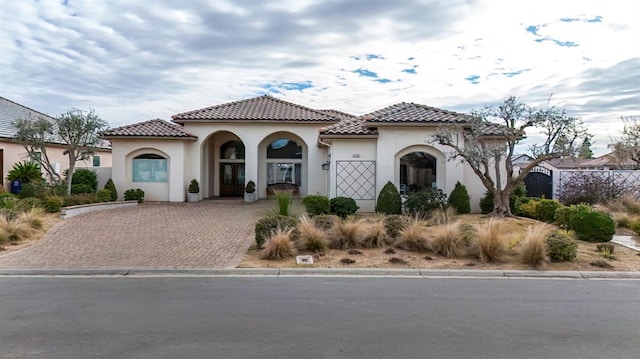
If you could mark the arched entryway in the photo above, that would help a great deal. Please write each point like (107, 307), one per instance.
(283, 158)
(224, 163)
(418, 168)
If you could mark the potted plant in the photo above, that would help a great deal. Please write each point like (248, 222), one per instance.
(250, 192)
(193, 191)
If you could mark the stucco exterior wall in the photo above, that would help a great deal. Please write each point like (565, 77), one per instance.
(256, 137)
(13, 153)
(352, 149)
(174, 190)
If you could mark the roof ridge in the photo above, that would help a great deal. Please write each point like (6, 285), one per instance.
(26, 107)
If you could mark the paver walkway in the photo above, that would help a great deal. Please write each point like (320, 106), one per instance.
(207, 234)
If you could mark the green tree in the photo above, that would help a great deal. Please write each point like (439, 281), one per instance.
(585, 149)
(34, 134)
(487, 142)
(628, 147)
(389, 200)
(459, 199)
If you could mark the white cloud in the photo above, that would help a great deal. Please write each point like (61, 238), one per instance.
(135, 61)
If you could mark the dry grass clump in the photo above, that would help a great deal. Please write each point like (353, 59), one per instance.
(15, 230)
(623, 219)
(311, 237)
(32, 218)
(625, 203)
(374, 233)
(532, 249)
(413, 237)
(346, 234)
(278, 246)
(448, 240)
(487, 243)
(441, 215)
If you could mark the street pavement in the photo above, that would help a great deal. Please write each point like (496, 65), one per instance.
(317, 317)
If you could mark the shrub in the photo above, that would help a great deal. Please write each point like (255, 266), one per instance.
(346, 234)
(441, 215)
(325, 221)
(265, 226)
(591, 188)
(81, 188)
(622, 219)
(486, 203)
(421, 203)
(283, 203)
(25, 172)
(311, 237)
(606, 247)
(447, 240)
(592, 226)
(316, 205)
(15, 230)
(78, 199)
(194, 187)
(278, 245)
(528, 207)
(112, 189)
(26, 204)
(546, 210)
(250, 187)
(389, 200)
(563, 214)
(374, 234)
(85, 179)
(134, 195)
(343, 206)
(394, 223)
(413, 237)
(459, 199)
(635, 226)
(8, 214)
(561, 246)
(8, 200)
(52, 204)
(104, 195)
(488, 244)
(32, 218)
(532, 247)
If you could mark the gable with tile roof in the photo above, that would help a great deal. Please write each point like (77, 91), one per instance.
(280, 145)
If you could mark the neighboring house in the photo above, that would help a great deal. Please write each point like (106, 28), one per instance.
(11, 152)
(282, 145)
(609, 162)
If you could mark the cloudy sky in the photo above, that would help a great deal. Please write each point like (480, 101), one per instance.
(136, 60)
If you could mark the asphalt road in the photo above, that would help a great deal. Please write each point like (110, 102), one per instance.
(218, 317)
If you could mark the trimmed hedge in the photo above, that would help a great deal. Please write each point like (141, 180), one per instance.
(425, 201)
(343, 206)
(459, 199)
(266, 226)
(560, 247)
(112, 188)
(134, 194)
(592, 226)
(316, 205)
(389, 200)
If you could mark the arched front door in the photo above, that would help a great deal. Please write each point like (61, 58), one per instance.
(232, 169)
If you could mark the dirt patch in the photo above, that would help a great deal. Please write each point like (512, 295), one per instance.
(625, 259)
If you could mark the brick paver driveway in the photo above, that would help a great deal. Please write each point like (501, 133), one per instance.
(207, 234)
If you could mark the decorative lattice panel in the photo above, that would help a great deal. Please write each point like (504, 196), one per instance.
(628, 181)
(356, 179)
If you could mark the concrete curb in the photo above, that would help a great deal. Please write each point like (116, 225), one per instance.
(316, 272)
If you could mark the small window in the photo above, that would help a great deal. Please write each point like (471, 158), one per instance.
(150, 167)
(96, 161)
(232, 150)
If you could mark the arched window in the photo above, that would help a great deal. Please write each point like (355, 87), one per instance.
(417, 172)
(284, 162)
(150, 167)
(232, 150)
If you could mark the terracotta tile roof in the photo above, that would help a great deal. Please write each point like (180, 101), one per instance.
(263, 108)
(414, 113)
(151, 128)
(349, 126)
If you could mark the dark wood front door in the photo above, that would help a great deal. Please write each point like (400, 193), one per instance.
(231, 179)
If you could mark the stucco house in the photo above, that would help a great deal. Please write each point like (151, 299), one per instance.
(12, 152)
(279, 144)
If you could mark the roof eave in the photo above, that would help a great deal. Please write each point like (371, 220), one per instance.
(310, 122)
(336, 136)
(128, 137)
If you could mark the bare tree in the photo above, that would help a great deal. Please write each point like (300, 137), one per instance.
(34, 134)
(81, 133)
(628, 147)
(487, 143)
(76, 131)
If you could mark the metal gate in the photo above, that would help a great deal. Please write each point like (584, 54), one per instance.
(539, 182)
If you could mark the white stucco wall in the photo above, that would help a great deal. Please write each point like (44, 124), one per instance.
(200, 156)
(174, 190)
(352, 149)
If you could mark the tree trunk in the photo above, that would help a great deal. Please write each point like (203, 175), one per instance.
(501, 206)
(72, 167)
